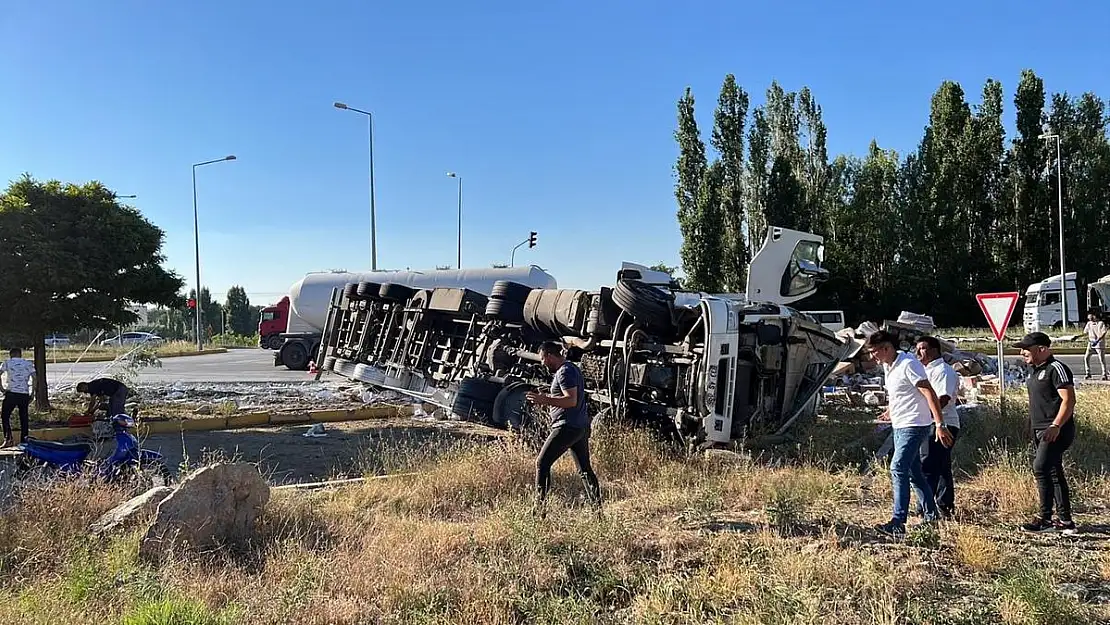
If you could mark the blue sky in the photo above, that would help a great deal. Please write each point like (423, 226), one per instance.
(558, 115)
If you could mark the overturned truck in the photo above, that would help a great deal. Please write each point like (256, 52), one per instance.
(706, 369)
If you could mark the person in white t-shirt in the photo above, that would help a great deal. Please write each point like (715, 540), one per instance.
(17, 393)
(936, 458)
(1096, 344)
(912, 406)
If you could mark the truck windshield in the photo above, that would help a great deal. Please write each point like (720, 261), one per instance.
(1031, 298)
(268, 316)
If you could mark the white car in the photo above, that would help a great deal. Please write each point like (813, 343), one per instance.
(132, 338)
(57, 340)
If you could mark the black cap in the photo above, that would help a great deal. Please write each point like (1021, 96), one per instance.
(1033, 338)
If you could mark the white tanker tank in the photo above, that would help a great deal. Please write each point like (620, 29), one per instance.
(310, 296)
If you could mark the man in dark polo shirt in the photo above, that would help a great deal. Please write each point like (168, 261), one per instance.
(1051, 390)
(570, 425)
(114, 390)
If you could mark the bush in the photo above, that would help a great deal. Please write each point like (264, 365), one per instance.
(231, 339)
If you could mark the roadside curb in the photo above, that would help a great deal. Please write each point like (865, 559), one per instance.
(98, 358)
(241, 421)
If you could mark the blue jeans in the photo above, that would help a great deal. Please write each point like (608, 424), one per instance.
(905, 470)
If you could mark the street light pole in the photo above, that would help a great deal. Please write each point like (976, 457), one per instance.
(452, 174)
(1060, 196)
(196, 238)
(373, 225)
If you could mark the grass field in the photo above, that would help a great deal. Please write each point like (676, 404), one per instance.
(781, 537)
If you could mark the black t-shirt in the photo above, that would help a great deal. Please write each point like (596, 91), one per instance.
(1044, 398)
(104, 386)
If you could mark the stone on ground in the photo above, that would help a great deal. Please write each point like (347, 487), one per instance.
(130, 511)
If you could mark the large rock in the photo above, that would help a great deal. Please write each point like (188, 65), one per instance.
(215, 506)
(128, 512)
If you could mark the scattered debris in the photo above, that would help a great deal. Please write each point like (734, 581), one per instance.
(218, 504)
(316, 431)
(129, 511)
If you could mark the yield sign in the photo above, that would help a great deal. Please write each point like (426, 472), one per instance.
(998, 307)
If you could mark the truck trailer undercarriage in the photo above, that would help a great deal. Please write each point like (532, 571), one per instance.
(706, 369)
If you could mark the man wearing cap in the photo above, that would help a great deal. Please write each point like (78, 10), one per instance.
(1051, 389)
(913, 407)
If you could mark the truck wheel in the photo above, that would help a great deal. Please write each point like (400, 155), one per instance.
(368, 290)
(350, 290)
(647, 305)
(396, 292)
(511, 409)
(329, 363)
(505, 310)
(474, 399)
(294, 356)
(510, 291)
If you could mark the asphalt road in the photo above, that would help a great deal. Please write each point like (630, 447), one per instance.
(236, 365)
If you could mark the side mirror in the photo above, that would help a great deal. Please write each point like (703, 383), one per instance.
(820, 253)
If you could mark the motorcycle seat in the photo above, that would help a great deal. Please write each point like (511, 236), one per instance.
(55, 446)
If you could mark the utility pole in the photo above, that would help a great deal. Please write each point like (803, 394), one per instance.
(458, 262)
(196, 239)
(1060, 196)
(373, 226)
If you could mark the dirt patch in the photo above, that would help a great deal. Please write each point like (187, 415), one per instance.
(351, 449)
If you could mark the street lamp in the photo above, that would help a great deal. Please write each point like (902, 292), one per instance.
(127, 196)
(1060, 191)
(196, 237)
(452, 174)
(373, 225)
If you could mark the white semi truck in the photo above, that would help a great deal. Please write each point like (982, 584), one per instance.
(309, 299)
(708, 369)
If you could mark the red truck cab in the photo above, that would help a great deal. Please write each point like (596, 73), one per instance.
(272, 323)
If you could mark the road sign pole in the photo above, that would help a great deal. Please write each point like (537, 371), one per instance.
(1001, 383)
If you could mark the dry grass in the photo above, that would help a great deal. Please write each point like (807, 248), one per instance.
(778, 537)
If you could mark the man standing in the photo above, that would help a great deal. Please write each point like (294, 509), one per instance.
(1096, 344)
(570, 425)
(17, 393)
(911, 401)
(114, 390)
(1051, 391)
(936, 460)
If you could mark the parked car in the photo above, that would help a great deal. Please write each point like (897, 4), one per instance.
(57, 340)
(132, 338)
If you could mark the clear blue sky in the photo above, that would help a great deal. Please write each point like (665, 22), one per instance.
(558, 115)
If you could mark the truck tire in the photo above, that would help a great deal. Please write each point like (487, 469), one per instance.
(294, 356)
(396, 292)
(505, 310)
(648, 305)
(511, 409)
(510, 291)
(329, 363)
(474, 399)
(350, 291)
(368, 290)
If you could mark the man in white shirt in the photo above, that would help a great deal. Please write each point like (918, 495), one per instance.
(17, 393)
(911, 402)
(1096, 344)
(936, 458)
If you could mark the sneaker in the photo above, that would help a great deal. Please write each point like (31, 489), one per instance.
(1067, 529)
(892, 528)
(1087, 376)
(1038, 525)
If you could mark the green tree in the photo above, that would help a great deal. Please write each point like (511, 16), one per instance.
(705, 274)
(71, 257)
(784, 201)
(211, 314)
(238, 309)
(728, 140)
(1026, 249)
(690, 171)
(758, 178)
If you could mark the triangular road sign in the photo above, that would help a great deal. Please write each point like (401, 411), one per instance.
(998, 307)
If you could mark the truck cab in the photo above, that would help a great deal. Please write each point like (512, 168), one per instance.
(1042, 310)
(272, 323)
(1098, 297)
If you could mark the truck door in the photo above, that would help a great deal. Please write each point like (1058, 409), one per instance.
(787, 268)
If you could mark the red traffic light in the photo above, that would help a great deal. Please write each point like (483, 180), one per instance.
(192, 303)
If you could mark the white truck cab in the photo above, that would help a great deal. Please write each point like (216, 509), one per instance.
(1042, 311)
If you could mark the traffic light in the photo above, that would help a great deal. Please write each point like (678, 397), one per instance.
(532, 240)
(192, 303)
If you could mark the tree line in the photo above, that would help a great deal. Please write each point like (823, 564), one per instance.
(235, 315)
(970, 210)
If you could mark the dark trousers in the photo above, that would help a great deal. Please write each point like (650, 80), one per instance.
(937, 465)
(562, 439)
(1048, 469)
(11, 402)
(117, 402)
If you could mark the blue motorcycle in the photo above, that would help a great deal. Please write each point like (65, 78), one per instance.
(70, 459)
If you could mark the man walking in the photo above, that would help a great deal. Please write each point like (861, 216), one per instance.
(936, 459)
(17, 393)
(912, 406)
(114, 390)
(570, 425)
(1051, 391)
(1096, 344)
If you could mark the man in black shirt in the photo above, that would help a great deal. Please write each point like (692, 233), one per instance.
(114, 390)
(1051, 389)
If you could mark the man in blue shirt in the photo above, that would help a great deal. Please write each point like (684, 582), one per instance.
(570, 425)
